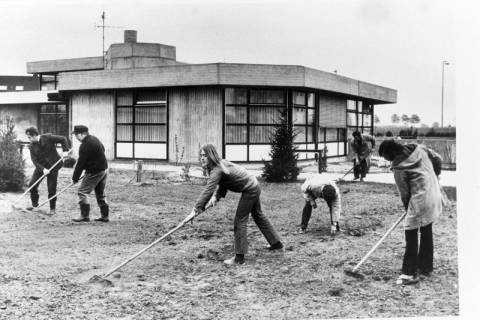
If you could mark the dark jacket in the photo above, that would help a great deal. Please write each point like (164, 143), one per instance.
(91, 157)
(44, 152)
(237, 179)
(363, 148)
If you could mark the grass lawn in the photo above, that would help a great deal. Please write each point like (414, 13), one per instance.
(46, 261)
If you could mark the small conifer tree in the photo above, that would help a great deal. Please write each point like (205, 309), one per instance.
(12, 165)
(283, 166)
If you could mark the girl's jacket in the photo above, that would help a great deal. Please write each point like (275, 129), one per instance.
(419, 188)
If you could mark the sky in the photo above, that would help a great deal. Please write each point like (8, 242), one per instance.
(398, 44)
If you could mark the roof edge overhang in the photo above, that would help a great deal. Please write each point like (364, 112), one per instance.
(30, 97)
(234, 74)
(65, 65)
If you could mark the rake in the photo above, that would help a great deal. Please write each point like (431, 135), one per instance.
(353, 272)
(54, 196)
(103, 278)
(33, 185)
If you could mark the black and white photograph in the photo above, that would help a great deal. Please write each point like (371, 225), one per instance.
(257, 159)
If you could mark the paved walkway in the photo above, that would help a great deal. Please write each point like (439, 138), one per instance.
(334, 171)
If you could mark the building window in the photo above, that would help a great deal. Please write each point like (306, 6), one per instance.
(250, 118)
(359, 118)
(3, 88)
(19, 88)
(141, 124)
(53, 118)
(303, 121)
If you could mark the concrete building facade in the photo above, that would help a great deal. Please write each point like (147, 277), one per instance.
(144, 104)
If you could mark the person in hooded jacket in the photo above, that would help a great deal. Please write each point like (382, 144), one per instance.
(415, 170)
(318, 187)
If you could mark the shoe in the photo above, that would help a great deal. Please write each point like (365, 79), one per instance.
(276, 246)
(362, 179)
(334, 228)
(302, 230)
(30, 208)
(356, 178)
(234, 260)
(102, 219)
(52, 212)
(404, 279)
(81, 219)
(425, 273)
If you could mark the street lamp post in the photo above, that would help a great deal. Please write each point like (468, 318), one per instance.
(444, 63)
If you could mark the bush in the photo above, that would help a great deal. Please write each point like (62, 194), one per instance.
(12, 165)
(283, 166)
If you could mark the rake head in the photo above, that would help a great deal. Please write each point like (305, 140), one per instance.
(354, 274)
(96, 279)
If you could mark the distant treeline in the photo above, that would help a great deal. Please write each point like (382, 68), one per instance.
(412, 132)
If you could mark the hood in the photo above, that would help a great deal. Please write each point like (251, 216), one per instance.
(412, 161)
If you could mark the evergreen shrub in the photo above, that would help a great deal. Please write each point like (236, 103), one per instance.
(283, 166)
(12, 165)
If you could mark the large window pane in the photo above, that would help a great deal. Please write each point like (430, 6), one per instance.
(236, 134)
(236, 114)
(300, 134)
(265, 115)
(124, 132)
(124, 98)
(311, 116)
(311, 99)
(124, 115)
(351, 118)
(310, 134)
(266, 96)
(299, 98)
(367, 120)
(261, 134)
(331, 135)
(299, 116)
(342, 135)
(153, 96)
(351, 105)
(321, 135)
(151, 115)
(155, 133)
(235, 96)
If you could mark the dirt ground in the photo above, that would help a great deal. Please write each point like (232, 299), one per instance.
(45, 262)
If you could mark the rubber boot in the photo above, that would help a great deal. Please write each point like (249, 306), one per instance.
(84, 213)
(104, 211)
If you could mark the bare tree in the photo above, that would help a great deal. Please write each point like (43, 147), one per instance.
(405, 119)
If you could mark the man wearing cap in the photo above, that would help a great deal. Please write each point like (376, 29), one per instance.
(91, 158)
(43, 152)
(363, 151)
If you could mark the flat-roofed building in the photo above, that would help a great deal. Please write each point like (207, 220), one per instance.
(144, 104)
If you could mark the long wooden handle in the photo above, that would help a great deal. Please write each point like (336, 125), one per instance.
(36, 182)
(58, 193)
(181, 224)
(379, 242)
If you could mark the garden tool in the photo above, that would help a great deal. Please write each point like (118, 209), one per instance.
(52, 197)
(33, 185)
(353, 272)
(102, 279)
(342, 178)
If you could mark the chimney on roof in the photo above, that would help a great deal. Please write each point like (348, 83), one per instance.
(130, 36)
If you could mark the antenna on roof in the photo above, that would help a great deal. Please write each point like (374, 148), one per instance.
(103, 26)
